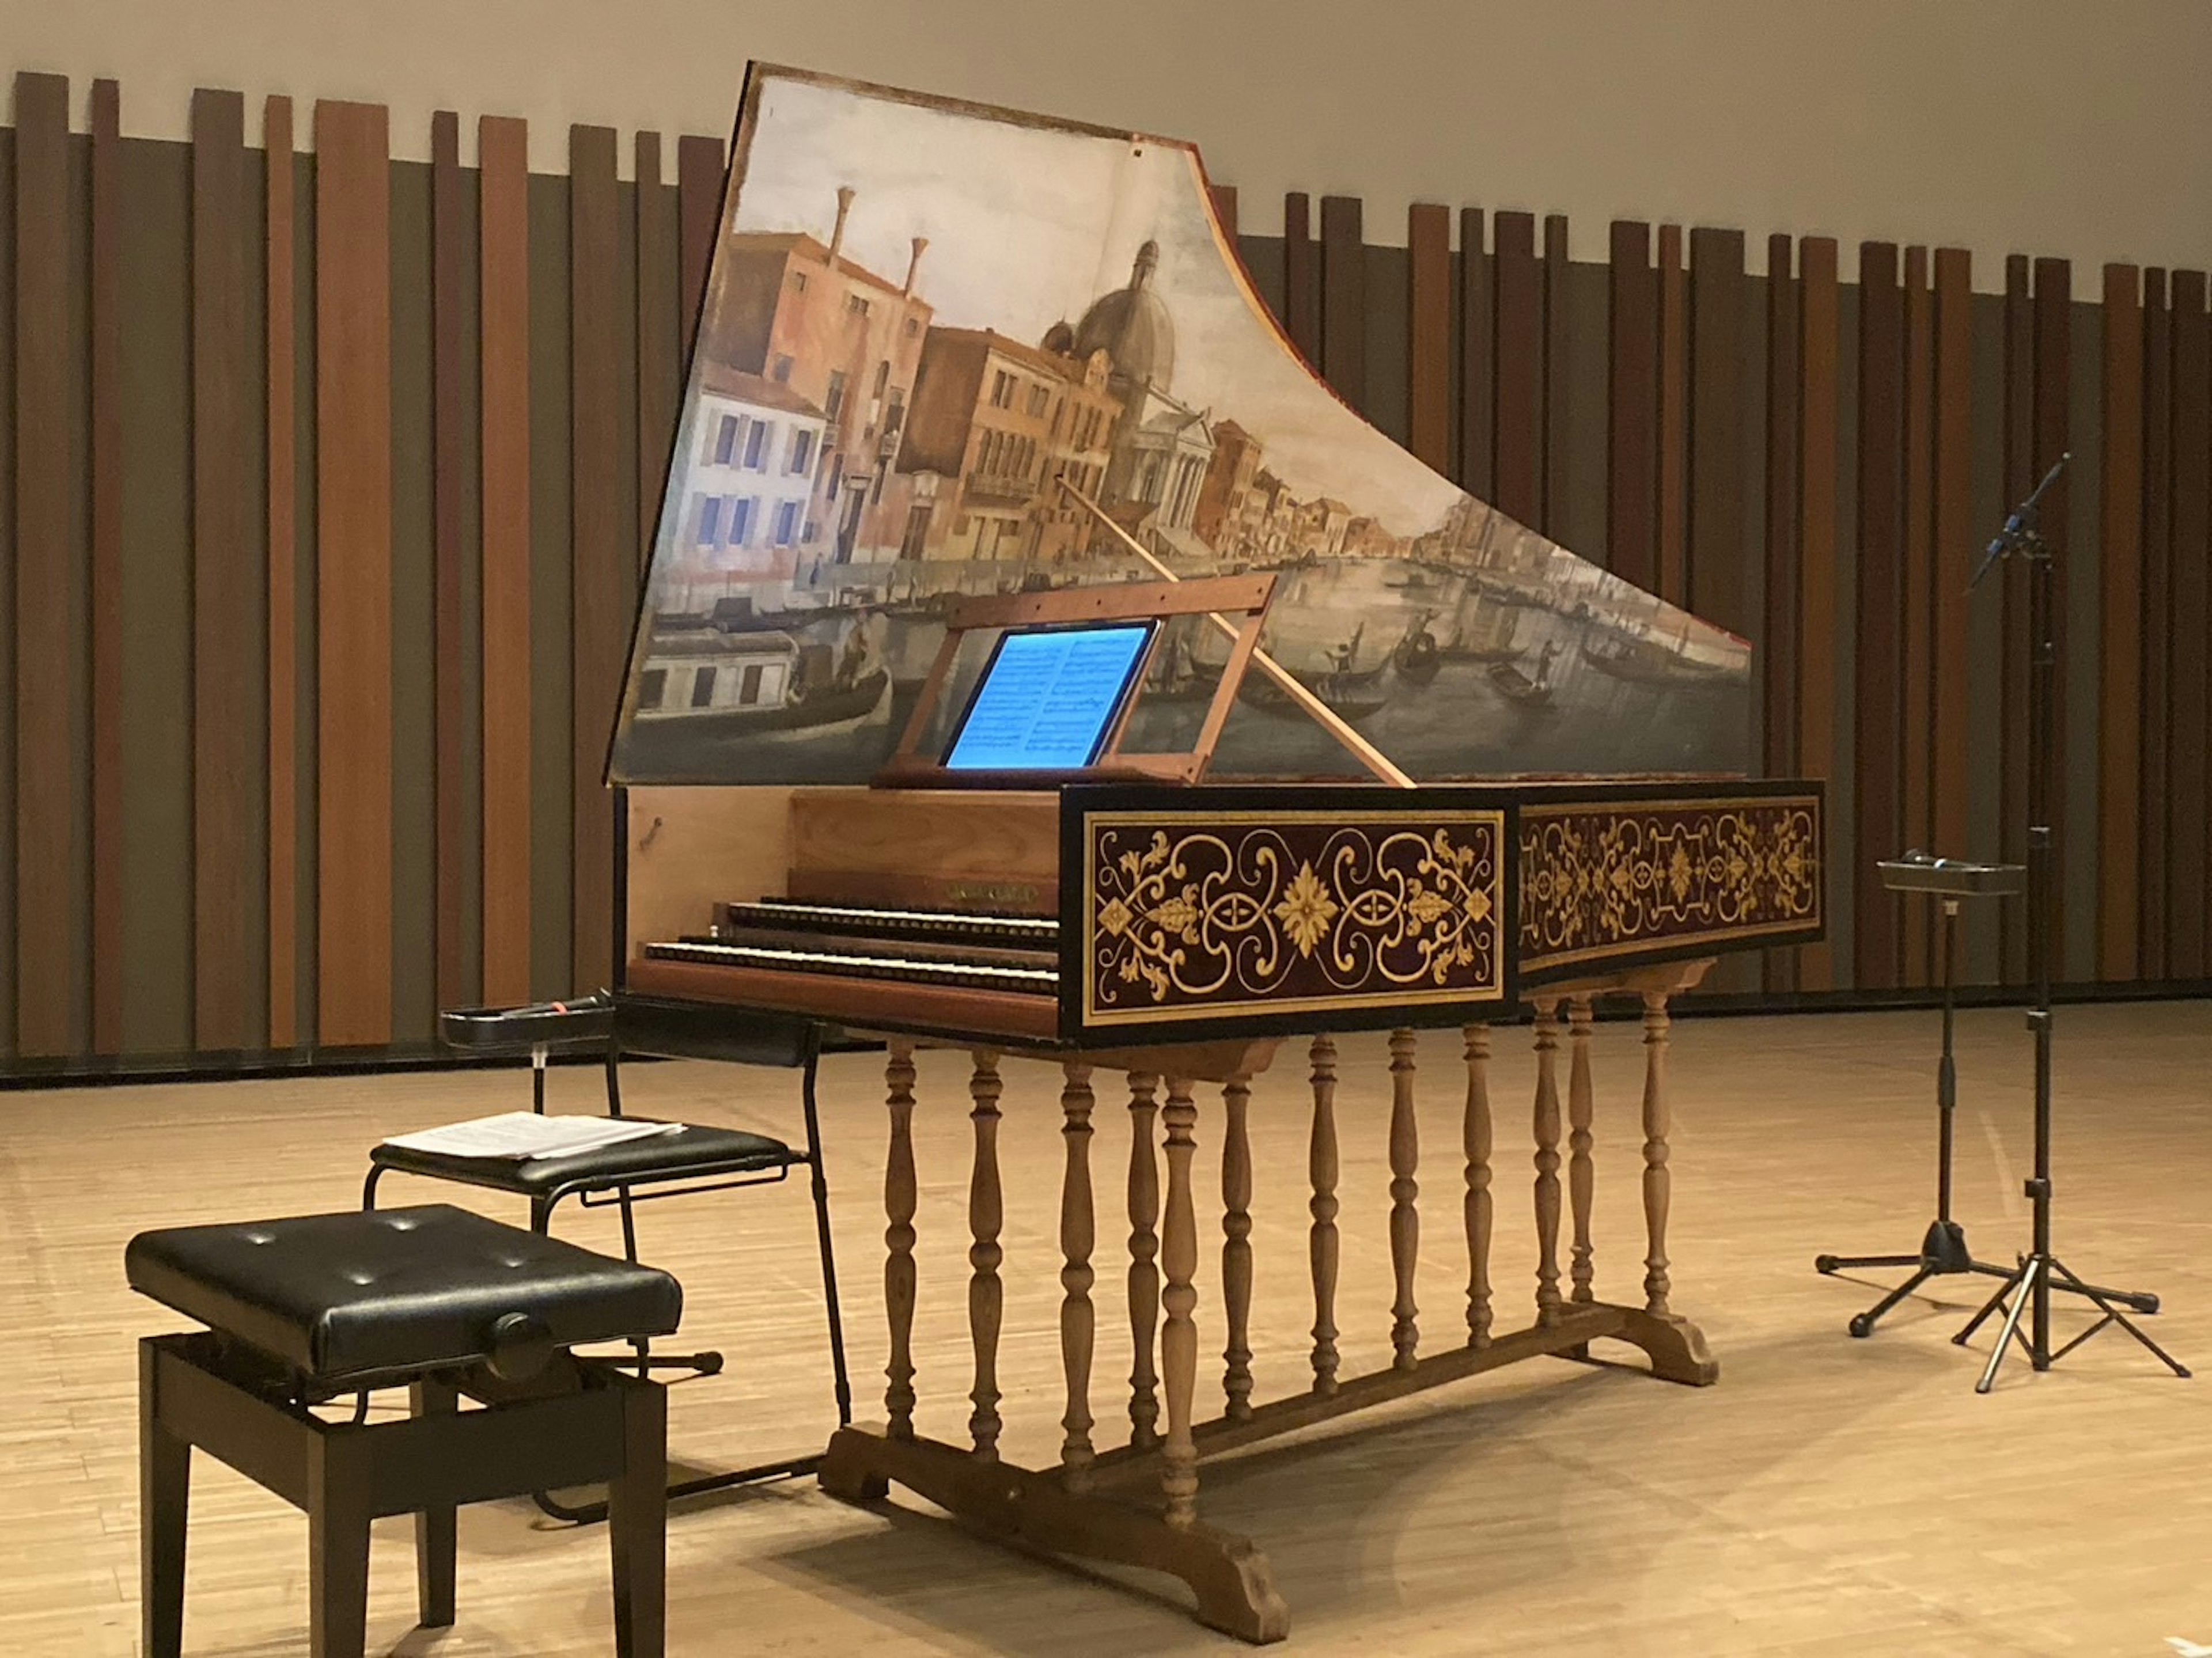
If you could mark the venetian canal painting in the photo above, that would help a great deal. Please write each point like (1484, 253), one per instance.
(948, 351)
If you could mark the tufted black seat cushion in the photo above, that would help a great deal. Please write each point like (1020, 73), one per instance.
(691, 1153)
(393, 1291)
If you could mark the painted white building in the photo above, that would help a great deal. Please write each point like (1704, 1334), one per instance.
(757, 446)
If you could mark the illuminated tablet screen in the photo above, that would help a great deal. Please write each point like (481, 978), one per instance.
(1047, 698)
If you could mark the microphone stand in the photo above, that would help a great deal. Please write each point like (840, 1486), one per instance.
(2030, 1283)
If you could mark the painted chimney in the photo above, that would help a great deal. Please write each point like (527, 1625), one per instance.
(913, 265)
(837, 235)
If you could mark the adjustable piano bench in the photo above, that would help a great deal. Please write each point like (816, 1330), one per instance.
(303, 1310)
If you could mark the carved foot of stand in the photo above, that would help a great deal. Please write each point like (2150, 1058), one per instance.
(1234, 1587)
(1675, 1347)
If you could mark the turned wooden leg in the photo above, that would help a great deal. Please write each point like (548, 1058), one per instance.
(898, 1239)
(1475, 1135)
(1657, 1183)
(1548, 1160)
(1320, 1165)
(1405, 1218)
(1581, 1183)
(1076, 1234)
(1179, 1333)
(986, 1213)
(1144, 1247)
(1237, 1246)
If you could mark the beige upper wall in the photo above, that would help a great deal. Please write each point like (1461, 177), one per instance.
(2081, 128)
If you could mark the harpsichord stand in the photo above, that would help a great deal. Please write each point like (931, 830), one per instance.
(2029, 1285)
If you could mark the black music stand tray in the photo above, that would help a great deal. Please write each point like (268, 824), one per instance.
(1943, 1251)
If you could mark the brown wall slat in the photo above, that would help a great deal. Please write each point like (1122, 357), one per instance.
(1672, 496)
(659, 338)
(1517, 359)
(107, 941)
(1557, 483)
(353, 479)
(7, 594)
(503, 301)
(1718, 584)
(227, 699)
(2187, 770)
(2053, 420)
(1428, 237)
(1632, 407)
(279, 227)
(1879, 599)
(1301, 277)
(1477, 334)
(602, 555)
(453, 374)
(2120, 671)
(1918, 614)
(2152, 911)
(2018, 417)
(1344, 300)
(52, 988)
(1952, 487)
(699, 165)
(1819, 311)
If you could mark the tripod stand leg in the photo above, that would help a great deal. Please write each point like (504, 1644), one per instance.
(1989, 1305)
(2010, 1334)
(1863, 1324)
(2112, 1315)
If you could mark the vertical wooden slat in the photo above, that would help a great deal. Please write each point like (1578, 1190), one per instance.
(1632, 398)
(2120, 699)
(53, 1011)
(699, 164)
(602, 555)
(2053, 419)
(503, 302)
(224, 693)
(1951, 554)
(1301, 277)
(106, 586)
(1344, 300)
(453, 257)
(2152, 911)
(659, 339)
(1224, 198)
(1557, 396)
(2191, 532)
(1428, 237)
(1820, 313)
(1880, 597)
(2019, 478)
(1672, 539)
(1777, 637)
(1718, 583)
(7, 602)
(1917, 613)
(1477, 332)
(1517, 482)
(353, 461)
(282, 621)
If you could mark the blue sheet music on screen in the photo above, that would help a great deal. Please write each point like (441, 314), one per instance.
(1047, 698)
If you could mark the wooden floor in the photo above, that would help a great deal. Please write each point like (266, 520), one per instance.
(1829, 1496)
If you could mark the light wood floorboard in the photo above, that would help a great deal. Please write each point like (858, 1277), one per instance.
(1829, 1496)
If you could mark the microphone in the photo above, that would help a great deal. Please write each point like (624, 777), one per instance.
(2021, 522)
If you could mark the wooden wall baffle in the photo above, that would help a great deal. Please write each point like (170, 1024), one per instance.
(2120, 691)
(1821, 317)
(1631, 427)
(1518, 360)
(108, 939)
(2053, 425)
(1916, 610)
(1344, 300)
(1477, 348)
(454, 501)
(1671, 577)
(1953, 547)
(2189, 776)
(1301, 278)
(700, 166)
(1880, 599)
(1429, 370)
(280, 229)
(2152, 912)
(503, 290)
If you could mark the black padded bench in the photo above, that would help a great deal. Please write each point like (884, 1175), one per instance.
(303, 1310)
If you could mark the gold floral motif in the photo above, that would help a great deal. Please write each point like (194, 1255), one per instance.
(1598, 880)
(1190, 916)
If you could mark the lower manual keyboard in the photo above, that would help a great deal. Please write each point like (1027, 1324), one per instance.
(861, 965)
